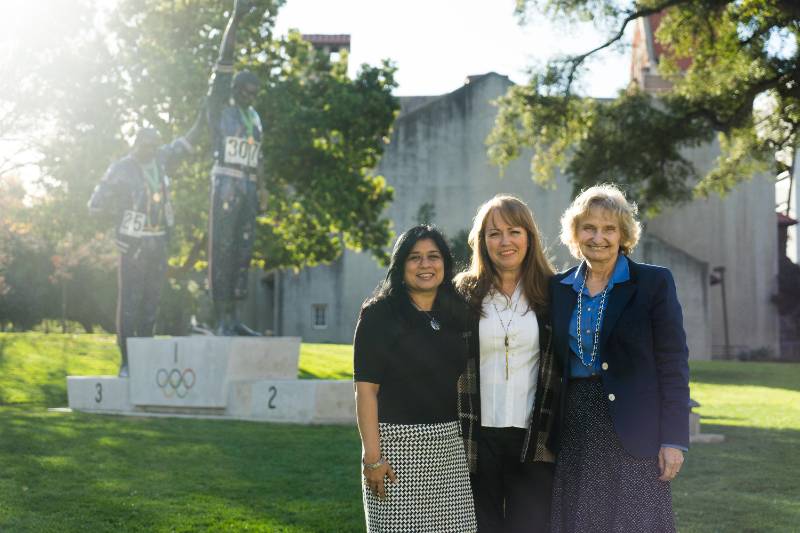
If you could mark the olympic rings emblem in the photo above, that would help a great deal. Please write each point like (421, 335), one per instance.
(174, 382)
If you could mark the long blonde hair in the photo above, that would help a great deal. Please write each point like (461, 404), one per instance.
(481, 276)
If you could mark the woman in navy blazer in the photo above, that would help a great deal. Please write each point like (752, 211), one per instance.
(618, 333)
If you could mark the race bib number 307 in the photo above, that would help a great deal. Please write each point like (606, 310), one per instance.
(132, 223)
(239, 151)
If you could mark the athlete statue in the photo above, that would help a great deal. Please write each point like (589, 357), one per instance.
(134, 192)
(236, 143)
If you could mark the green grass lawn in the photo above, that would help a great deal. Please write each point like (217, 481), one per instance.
(33, 366)
(80, 472)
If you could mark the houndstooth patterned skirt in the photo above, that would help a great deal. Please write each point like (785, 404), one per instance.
(432, 493)
(599, 486)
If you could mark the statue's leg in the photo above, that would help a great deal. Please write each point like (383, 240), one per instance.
(245, 234)
(221, 246)
(154, 272)
(129, 299)
(225, 315)
(220, 242)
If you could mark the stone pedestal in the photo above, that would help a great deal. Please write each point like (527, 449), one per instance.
(98, 393)
(227, 377)
(308, 401)
(197, 371)
(695, 436)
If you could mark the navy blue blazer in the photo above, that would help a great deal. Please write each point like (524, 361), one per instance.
(644, 357)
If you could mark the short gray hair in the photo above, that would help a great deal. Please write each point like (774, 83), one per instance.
(605, 196)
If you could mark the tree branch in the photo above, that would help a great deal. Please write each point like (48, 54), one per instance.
(576, 61)
(194, 254)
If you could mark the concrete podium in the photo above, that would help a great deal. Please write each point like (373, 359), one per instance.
(249, 378)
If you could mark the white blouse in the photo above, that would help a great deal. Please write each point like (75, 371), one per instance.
(508, 401)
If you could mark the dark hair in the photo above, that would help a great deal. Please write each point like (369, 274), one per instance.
(392, 288)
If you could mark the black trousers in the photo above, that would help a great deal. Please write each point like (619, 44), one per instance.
(232, 228)
(510, 496)
(140, 279)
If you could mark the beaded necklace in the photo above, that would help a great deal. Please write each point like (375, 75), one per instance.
(590, 363)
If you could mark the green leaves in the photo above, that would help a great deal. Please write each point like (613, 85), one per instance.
(93, 77)
(322, 137)
(149, 64)
(722, 57)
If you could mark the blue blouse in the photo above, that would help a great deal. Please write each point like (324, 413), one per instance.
(591, 308)
(589, 318)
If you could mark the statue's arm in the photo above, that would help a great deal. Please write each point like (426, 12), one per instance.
(221, 77)
(226, 49)
(106, 196)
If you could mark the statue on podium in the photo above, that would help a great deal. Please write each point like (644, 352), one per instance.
(236, 143)
(134, 193)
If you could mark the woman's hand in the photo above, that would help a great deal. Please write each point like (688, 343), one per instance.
(375, 478)
(669, 462)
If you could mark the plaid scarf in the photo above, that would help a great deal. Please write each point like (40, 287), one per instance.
(540, 436)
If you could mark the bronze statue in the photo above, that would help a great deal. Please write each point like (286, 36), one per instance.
(236, 143)
(135, 193)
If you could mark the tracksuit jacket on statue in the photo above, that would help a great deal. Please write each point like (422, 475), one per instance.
(236, 137)
(136, 196)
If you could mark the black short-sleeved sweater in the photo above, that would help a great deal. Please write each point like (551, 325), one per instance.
(416, 367)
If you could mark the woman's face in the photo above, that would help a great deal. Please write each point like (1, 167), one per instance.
(424, 268)
(507, 245)
(599, 235)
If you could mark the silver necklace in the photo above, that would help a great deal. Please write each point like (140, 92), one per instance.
(435, 326)
(506, 327)
(596, 325)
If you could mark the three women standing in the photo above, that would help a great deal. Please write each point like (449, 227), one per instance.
(409, 353)
(508, 390)
(618, 334)
(592, 363)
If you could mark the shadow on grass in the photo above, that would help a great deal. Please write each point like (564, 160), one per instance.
(44, 384)
(91, 472)
(747, 483)
(84, 472)
(54, 387)
(772, 375)
(344, 375)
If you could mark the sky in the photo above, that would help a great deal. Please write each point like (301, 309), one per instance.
(436, 44)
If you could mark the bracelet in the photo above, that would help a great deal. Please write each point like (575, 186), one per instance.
(374, 466)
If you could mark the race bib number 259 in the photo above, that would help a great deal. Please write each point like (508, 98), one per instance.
(239, 151)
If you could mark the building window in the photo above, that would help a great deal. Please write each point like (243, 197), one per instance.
(319, 316)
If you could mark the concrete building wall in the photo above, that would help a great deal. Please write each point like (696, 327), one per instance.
(437, 156)
(301, 291)
(739, 233)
